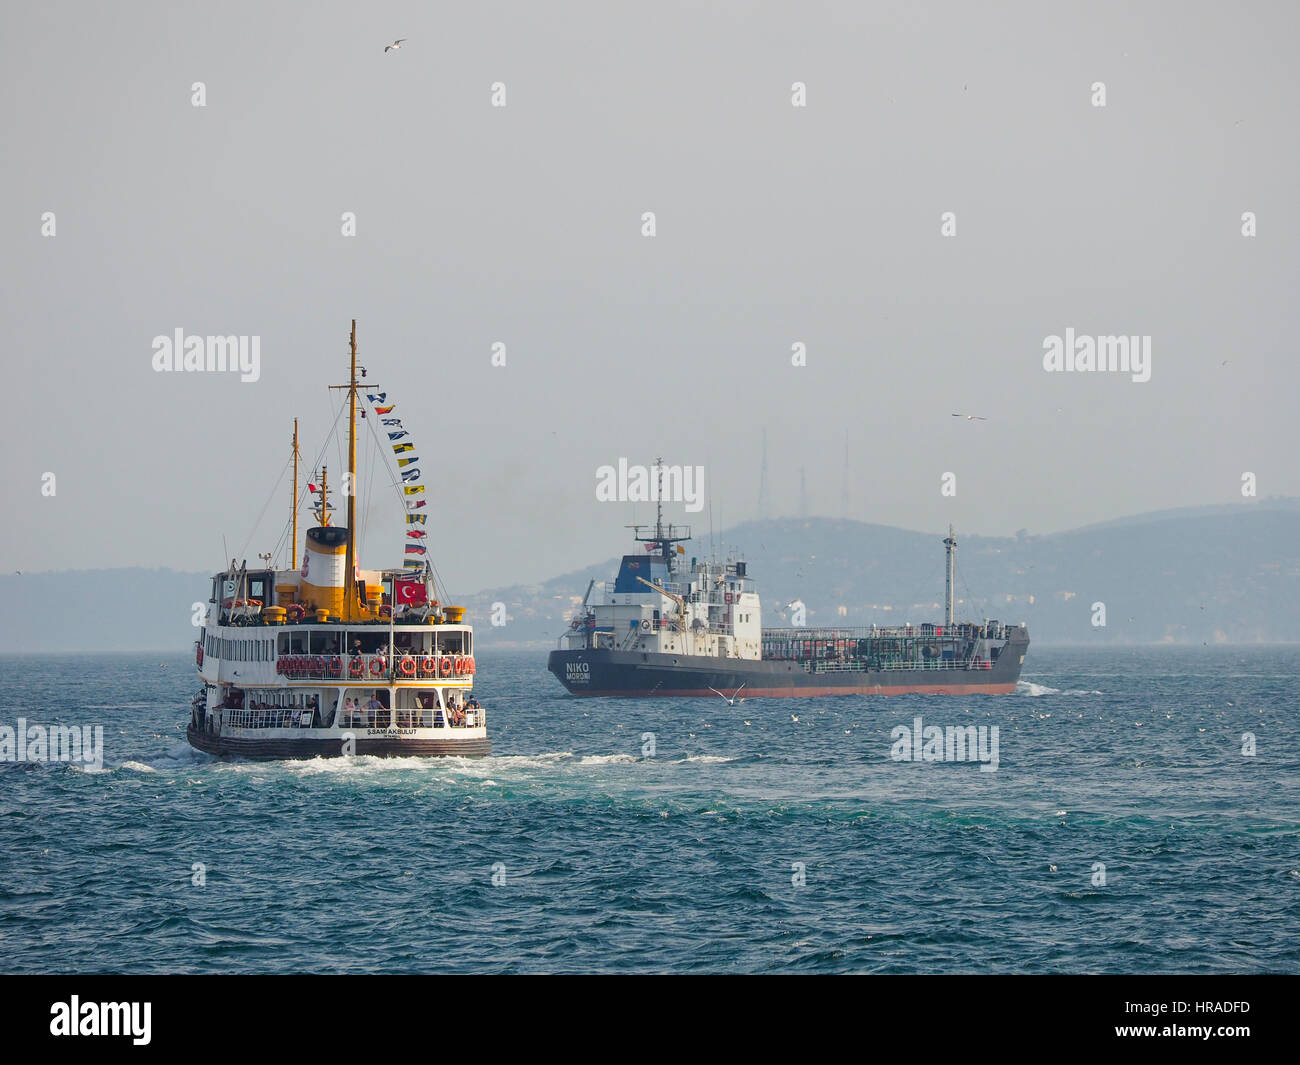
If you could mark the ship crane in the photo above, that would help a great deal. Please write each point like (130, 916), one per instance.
(679, 600)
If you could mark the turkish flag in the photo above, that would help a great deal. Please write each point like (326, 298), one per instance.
(410, 593)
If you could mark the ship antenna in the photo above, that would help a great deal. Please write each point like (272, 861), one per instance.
(951, 544)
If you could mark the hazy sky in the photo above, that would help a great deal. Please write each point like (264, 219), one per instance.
(522, 224)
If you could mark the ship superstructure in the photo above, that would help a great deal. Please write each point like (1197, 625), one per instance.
(304, 661)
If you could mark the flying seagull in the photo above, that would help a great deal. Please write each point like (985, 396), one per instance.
(971, 417)
(731, 699)
(395, 45)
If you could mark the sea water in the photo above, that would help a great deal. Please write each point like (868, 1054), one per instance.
(1128, 827)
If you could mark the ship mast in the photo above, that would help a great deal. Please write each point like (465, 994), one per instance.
(350, 558)
(323, 508)
(350, 489)
(664, 536)
(659, 498)
(294, 540)
(951, 545)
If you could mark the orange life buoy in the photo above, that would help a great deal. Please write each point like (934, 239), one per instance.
(469, 665)
(357, 667)
(728, 597)
(336, 665)
(429, 666)
(407, 666)
(445, 666)
(296, 612)
(377, 665)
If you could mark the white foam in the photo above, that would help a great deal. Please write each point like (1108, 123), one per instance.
(1025, 687)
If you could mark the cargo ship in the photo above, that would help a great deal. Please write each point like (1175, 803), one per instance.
(672, 627)
(328, 659)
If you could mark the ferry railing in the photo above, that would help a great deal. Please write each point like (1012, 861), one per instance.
(271, 717)
(414, 717)
(366, 718)
(377, 667)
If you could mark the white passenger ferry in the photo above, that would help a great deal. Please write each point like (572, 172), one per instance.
(305, 662)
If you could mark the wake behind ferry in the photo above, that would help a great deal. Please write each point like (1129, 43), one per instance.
(670, 628)
(305, 662)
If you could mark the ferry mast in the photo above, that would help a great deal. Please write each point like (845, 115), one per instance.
(294, 541)
(350, 554)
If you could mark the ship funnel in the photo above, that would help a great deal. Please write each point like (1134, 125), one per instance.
(323, 569)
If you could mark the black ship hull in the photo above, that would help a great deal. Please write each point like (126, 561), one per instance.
(600, 672)
(278, 748)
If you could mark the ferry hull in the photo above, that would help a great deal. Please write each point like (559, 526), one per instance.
(274, 748)
(593, 672)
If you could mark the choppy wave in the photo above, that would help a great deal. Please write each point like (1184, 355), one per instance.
(745, 844)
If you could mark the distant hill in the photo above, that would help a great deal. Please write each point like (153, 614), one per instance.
(1228, 574)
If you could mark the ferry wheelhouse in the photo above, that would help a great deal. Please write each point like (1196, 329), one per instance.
(303, 662)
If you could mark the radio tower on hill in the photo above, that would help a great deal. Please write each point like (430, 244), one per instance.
(844, 484)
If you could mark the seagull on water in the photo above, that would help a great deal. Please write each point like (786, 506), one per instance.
(397, 44)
